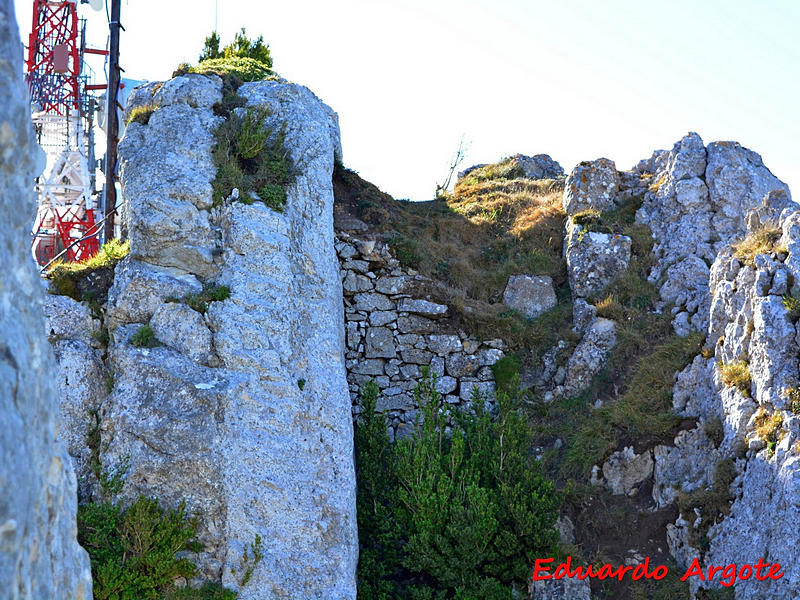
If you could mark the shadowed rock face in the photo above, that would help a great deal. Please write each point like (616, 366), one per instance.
(39, 554)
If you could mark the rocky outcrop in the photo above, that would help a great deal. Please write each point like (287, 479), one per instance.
(39, 554)
(394, 329)
(749, 420)
(539, 166)
(244, 411)
(695, 206)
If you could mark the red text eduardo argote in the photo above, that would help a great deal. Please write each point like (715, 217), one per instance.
(726, 575)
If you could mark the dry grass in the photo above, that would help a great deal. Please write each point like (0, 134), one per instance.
(473, 239)
(769, 427)
(736, 374)
(762, 241)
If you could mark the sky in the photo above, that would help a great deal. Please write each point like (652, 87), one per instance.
(575, 79)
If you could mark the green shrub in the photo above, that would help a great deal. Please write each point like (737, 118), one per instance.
(144, 338)
(379, 533)
(133, 551)
(251, 158)
(209, 591)
(506, 371)
(462, 515)
(246, 69)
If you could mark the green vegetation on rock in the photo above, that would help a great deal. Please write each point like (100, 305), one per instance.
(251, 158)
(70, 278)
(134, 552)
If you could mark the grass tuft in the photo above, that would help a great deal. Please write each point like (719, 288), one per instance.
(65, 277)
(736, 374)
(762, 241)
(141, 114)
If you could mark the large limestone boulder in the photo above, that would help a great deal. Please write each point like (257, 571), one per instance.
(591, 185)
(39, 554)
(594, 259)
(245, 412)
(530, 294)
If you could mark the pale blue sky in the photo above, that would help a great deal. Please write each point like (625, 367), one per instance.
(576, 79)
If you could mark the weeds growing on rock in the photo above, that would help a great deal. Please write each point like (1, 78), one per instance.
(712, 503)
(68, 278)
(768, 428)
(141, 114)
(736, 374)
(252, 158)
(761, 241)
(144, 338)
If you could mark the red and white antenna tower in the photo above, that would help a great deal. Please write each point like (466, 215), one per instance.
(62, 113)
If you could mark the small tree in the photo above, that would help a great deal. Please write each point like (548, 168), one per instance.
(243, 47)
(211, 47)
(240, 47)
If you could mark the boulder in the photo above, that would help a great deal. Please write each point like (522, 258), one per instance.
(594, 259)
(589, 356)
(539, 166)
(591, 185)
(625, 470)
(530, 294)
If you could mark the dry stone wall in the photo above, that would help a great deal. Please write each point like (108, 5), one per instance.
(394, 328)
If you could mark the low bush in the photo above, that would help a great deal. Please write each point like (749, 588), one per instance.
(458, 515)
(133, 552)
(251, 158)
